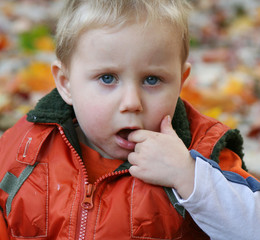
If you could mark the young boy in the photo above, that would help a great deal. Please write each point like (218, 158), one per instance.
(98, 157)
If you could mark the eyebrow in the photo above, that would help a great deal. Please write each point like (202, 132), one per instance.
(160, 70)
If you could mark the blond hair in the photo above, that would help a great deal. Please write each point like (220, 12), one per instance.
(80, 15)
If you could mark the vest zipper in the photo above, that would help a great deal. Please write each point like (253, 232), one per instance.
(89, 193)
(84, 211)
(89, 190)
(88, 204)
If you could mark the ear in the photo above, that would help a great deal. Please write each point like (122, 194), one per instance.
(62, 81)
(186, 72)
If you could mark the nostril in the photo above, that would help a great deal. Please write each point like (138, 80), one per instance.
(131, 107)
(131, 102)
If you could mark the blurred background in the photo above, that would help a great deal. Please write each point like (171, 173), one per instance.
(225, 56)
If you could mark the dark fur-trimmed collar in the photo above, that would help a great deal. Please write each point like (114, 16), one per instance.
(52, 109)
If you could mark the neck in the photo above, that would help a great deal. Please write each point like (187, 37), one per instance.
(83, 139)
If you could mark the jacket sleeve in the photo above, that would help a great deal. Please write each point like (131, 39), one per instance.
(3, 228)
(226, 192)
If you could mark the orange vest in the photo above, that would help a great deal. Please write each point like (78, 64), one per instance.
(44, 193)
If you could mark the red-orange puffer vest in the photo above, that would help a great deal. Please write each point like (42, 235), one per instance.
(44, 193)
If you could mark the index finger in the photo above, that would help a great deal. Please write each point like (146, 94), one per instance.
(140, 135)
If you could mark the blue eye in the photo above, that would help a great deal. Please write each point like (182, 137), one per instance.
(107, 79)
(151, 80)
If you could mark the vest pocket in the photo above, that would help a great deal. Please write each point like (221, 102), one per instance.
(152, 214)
(29, 208)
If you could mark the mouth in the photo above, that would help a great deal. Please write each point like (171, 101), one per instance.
(124, 133)
(122, 138)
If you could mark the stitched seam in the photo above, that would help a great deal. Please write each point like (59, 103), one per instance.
(131, 209)
(22, 142)
(205, 134)
(72, 207)
(40, 236)
(47, 200)
(20, 180)
(38, 149)
(39, 146)
(158, 238)
(99, 207)
(212, 147)
(47, 213)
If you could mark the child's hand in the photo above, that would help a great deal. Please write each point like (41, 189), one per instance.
(162, 159)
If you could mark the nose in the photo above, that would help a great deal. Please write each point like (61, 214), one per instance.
(131, 100)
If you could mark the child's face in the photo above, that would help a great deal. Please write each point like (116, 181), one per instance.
(121, 80)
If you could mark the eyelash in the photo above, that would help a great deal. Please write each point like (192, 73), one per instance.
(107, 75)
(114, 80)
(157, 80)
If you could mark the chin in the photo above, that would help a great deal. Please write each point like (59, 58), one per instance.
(121, 155)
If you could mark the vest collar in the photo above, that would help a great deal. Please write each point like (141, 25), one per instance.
(53, 109)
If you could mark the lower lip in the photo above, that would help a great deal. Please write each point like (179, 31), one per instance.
(123, 143)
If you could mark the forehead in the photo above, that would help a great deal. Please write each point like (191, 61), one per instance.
(156, 38)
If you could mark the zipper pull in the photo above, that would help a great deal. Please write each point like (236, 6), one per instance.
(88, 200)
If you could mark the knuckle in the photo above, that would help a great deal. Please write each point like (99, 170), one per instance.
(130, 157)
(133, 171)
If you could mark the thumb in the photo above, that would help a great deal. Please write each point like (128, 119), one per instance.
(166, 126)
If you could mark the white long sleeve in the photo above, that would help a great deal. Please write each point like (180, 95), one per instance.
(223, 204)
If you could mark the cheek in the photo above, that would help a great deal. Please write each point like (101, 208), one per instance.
(158, 111)
(95, 120)
(90, 115)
